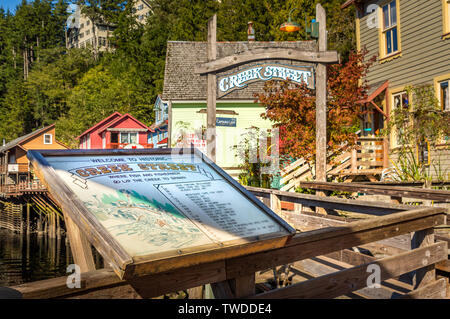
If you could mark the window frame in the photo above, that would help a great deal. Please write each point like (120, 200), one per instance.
(418, 151)
(392, 94)
(437, 87)
(129, 137)
(51, 138)
(445, 19)
(448, 95)
(382, 32)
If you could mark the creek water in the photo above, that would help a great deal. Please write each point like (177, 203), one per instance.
(31, 257)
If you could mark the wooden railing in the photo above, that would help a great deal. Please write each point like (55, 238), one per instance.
(370, 156)
(17, 167)
(235, 277)
(22, 187)
(123, 145)
(370, 153)
(396, 192)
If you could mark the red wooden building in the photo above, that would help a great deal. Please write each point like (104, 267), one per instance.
(115, 132)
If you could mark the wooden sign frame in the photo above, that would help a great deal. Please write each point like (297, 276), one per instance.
(125, 266)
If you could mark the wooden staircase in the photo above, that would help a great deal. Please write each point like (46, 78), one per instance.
(369, 158)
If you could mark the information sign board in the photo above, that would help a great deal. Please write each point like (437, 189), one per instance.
(153, 210)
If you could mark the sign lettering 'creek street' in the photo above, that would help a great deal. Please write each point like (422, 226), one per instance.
(297, 74)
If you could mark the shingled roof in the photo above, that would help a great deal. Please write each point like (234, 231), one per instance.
(182, 83)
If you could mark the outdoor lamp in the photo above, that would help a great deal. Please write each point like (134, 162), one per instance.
(290, 26)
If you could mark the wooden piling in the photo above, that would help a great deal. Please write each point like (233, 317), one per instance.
(28, 218)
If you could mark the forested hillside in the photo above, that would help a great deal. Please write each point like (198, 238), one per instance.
(42, 83)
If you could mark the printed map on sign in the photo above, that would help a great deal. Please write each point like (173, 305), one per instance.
(157, 203)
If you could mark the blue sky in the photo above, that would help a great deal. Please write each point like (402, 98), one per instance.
(9, 4)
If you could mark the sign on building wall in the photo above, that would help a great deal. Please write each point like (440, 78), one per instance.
(226, 121)
(264, 72)
(157, 206)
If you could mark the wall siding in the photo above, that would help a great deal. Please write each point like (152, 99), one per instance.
(424, 54)
(248, 115)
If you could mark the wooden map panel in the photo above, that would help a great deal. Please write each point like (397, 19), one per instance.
(158, 207)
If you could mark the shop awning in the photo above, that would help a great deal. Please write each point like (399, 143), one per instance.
(375, 90)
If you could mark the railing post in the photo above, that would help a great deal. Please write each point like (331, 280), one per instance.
(275, 203)
(385, 153)
(354, 160)
(425, 275)
(243, 286)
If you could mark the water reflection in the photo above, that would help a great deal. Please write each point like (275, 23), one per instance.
(31, 257)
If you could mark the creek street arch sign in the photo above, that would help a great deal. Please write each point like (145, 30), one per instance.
(265, 72)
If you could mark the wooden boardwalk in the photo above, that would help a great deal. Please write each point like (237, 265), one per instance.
(321, 239)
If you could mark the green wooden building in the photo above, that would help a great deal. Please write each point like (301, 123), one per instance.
(411, 40)
(185, 91)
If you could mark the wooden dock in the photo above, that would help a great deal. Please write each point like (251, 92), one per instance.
(323, 260)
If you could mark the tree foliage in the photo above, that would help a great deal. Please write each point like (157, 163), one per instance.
(41, 82)
(292, 108)
(418, 124)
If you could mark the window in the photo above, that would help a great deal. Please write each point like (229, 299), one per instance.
(81, 35)
(102, 41)
(140, 7)
(390, 31)
(82, 26)
(423, 153)
(47, 138)
(444, 96)
(128, 138)
(401, 100)
(88, 22)
(114, 137)
(12, 158)
(87, 32)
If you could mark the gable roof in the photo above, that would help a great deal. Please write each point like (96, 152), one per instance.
(102, 122)
(117, 120)
(25, 138)
(182, 83)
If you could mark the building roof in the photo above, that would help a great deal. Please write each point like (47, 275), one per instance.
(25, 138)
(99, 124)
(182, 83)
(163, 141)
(117, 120)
